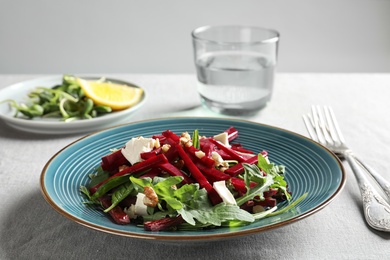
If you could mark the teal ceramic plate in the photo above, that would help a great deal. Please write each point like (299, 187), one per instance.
(19, 92)
(310, 168)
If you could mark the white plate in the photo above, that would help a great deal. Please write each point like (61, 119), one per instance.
(19, 93)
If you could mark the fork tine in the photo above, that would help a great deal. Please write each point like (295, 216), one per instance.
(320, 135)
(331, 127)
(309, 126)
(323, 125)
(336, 129)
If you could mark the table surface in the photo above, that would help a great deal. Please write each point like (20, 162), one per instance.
(30, 228)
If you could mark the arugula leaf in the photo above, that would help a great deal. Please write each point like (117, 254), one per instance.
(192, 203)
(120, 194)
(277, 171)
(187, 216)
(86, 192)
(216, 215)
(166, 184)
(199, 200)
(263, 164)
(98, 177)
(164, 188)
(231, 212)
(198, 211)
(140, 183)
(252, 173)
(280, 183)
(256, 216)
(109, 185)
(173, 202)
(258, 190)
(186, 192)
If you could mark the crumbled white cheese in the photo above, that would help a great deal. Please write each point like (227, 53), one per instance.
(136, 146)
(137, 209)
(224, 192)
(216, 157)
(219, 162)
(130, 211)
(140, 208)
(223, 138)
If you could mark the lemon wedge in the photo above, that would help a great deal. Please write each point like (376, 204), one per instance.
(116, 96)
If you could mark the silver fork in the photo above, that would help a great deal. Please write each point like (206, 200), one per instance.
(322, 127)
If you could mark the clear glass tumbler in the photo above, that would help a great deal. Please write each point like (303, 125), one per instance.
(235, 66)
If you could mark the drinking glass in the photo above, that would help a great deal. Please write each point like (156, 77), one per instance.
(235, 67)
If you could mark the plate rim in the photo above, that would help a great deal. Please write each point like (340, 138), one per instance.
(206, 237)
(58, 127)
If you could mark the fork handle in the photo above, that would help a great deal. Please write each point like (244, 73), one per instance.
(385, 185)
(376, 210)
(358, 171)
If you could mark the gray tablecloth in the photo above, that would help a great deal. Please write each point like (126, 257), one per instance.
(31, 229)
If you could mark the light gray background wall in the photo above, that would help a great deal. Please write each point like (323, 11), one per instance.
(152, 36)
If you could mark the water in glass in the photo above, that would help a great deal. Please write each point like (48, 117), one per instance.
(235, 82)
